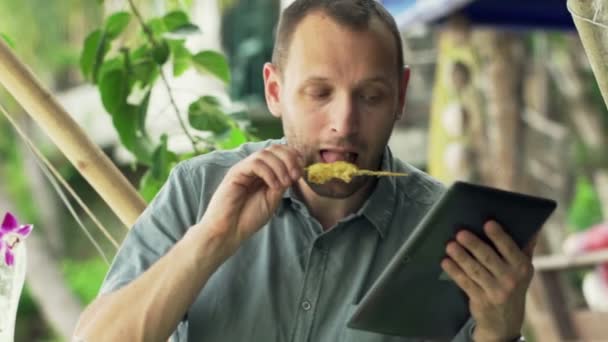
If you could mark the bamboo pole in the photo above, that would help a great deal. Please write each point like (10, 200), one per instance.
(87, 157)
(591, 20)
(561, 262)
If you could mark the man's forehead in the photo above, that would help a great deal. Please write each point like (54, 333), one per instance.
(319, 20)
(319, 37)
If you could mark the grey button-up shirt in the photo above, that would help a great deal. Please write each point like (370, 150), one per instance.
(292, 281)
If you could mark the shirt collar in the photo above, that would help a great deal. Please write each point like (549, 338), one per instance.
(380, 205)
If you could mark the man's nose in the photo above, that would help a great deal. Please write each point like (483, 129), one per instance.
(344, 115)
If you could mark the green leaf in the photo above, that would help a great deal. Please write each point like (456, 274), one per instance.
(585, 209)
(157, 26)
(142, 113)
(163, 161)
(183, 31)
(114, 88)
(213, 62)
(181, 56)
(149, 186)
(84, 276)
(161, 52)
(143, 65)
(116, 24)
(129, 120)
(235, 138)
(205, 114)
(128, 123)
(175, 19)
(8, 40)
(115, 63)
(95, 49)
(145, 71)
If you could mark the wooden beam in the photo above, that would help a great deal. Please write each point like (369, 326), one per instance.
(560, 262)
(69, 137)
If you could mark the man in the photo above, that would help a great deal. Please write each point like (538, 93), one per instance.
(238, 246)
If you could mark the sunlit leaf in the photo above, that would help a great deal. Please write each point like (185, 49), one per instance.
(181, 56)
(206, 115)
(175, 19)
(116, 24)
(149, 186)
(234, 138)
(157, 26)
(214, 63)
(8, 40)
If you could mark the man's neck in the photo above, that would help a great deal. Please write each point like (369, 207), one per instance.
(328, 211)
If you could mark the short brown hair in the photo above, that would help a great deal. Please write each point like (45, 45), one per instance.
(355, 14)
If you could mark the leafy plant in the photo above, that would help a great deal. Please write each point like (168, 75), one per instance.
(7, 39)
(125, 67)
(585, 209)
(85, 277)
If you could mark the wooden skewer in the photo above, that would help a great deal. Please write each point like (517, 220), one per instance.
(379, 173)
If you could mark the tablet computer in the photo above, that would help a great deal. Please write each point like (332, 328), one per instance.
(413, 296)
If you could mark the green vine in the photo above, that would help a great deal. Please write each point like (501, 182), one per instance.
(125, 69)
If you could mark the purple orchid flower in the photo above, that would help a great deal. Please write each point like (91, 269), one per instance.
(11, 233)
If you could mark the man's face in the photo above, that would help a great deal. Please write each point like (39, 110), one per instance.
(338, 95)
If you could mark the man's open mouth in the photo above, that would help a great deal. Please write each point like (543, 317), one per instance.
(330, 156)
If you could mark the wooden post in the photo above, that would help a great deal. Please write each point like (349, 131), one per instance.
(87, 157)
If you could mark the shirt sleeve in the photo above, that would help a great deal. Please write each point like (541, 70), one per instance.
(162, 224)
(466, 333)
(164, 221)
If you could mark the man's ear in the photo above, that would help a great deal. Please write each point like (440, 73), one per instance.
(272, 89)
(405, 79)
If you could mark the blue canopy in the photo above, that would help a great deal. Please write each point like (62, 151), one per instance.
(527, 14)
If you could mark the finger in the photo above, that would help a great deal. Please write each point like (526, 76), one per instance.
(259, 169)
(509, 250)
(482, 252)
(471, 267)
(529, 249)
(277, 165)
(291, 158)
(461, 279)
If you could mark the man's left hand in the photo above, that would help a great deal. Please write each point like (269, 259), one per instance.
(496, 283)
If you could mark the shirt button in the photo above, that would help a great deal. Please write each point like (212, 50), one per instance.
(306, 305)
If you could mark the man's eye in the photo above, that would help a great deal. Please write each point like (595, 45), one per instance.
(371, 97)
(318, 94)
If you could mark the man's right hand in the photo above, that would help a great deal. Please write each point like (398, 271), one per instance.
(249, 195)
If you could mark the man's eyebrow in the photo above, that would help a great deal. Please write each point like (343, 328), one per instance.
(377, 79)
(315, 79)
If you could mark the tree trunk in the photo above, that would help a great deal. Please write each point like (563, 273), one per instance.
(502, 57)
